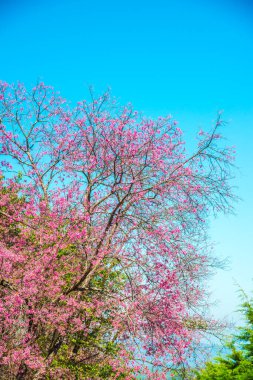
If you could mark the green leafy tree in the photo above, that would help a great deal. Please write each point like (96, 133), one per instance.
(238, 363)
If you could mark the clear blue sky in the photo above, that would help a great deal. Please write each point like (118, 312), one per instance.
(188, 58)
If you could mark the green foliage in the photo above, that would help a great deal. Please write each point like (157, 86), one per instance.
(88, 368)
(87, 356)
(238, 363)
(14, 201)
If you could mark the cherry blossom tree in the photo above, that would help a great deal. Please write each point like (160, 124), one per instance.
(104, 249)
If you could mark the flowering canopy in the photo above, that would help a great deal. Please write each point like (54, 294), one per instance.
(103, 236)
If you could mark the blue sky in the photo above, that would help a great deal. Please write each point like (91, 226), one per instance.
(188, 58)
